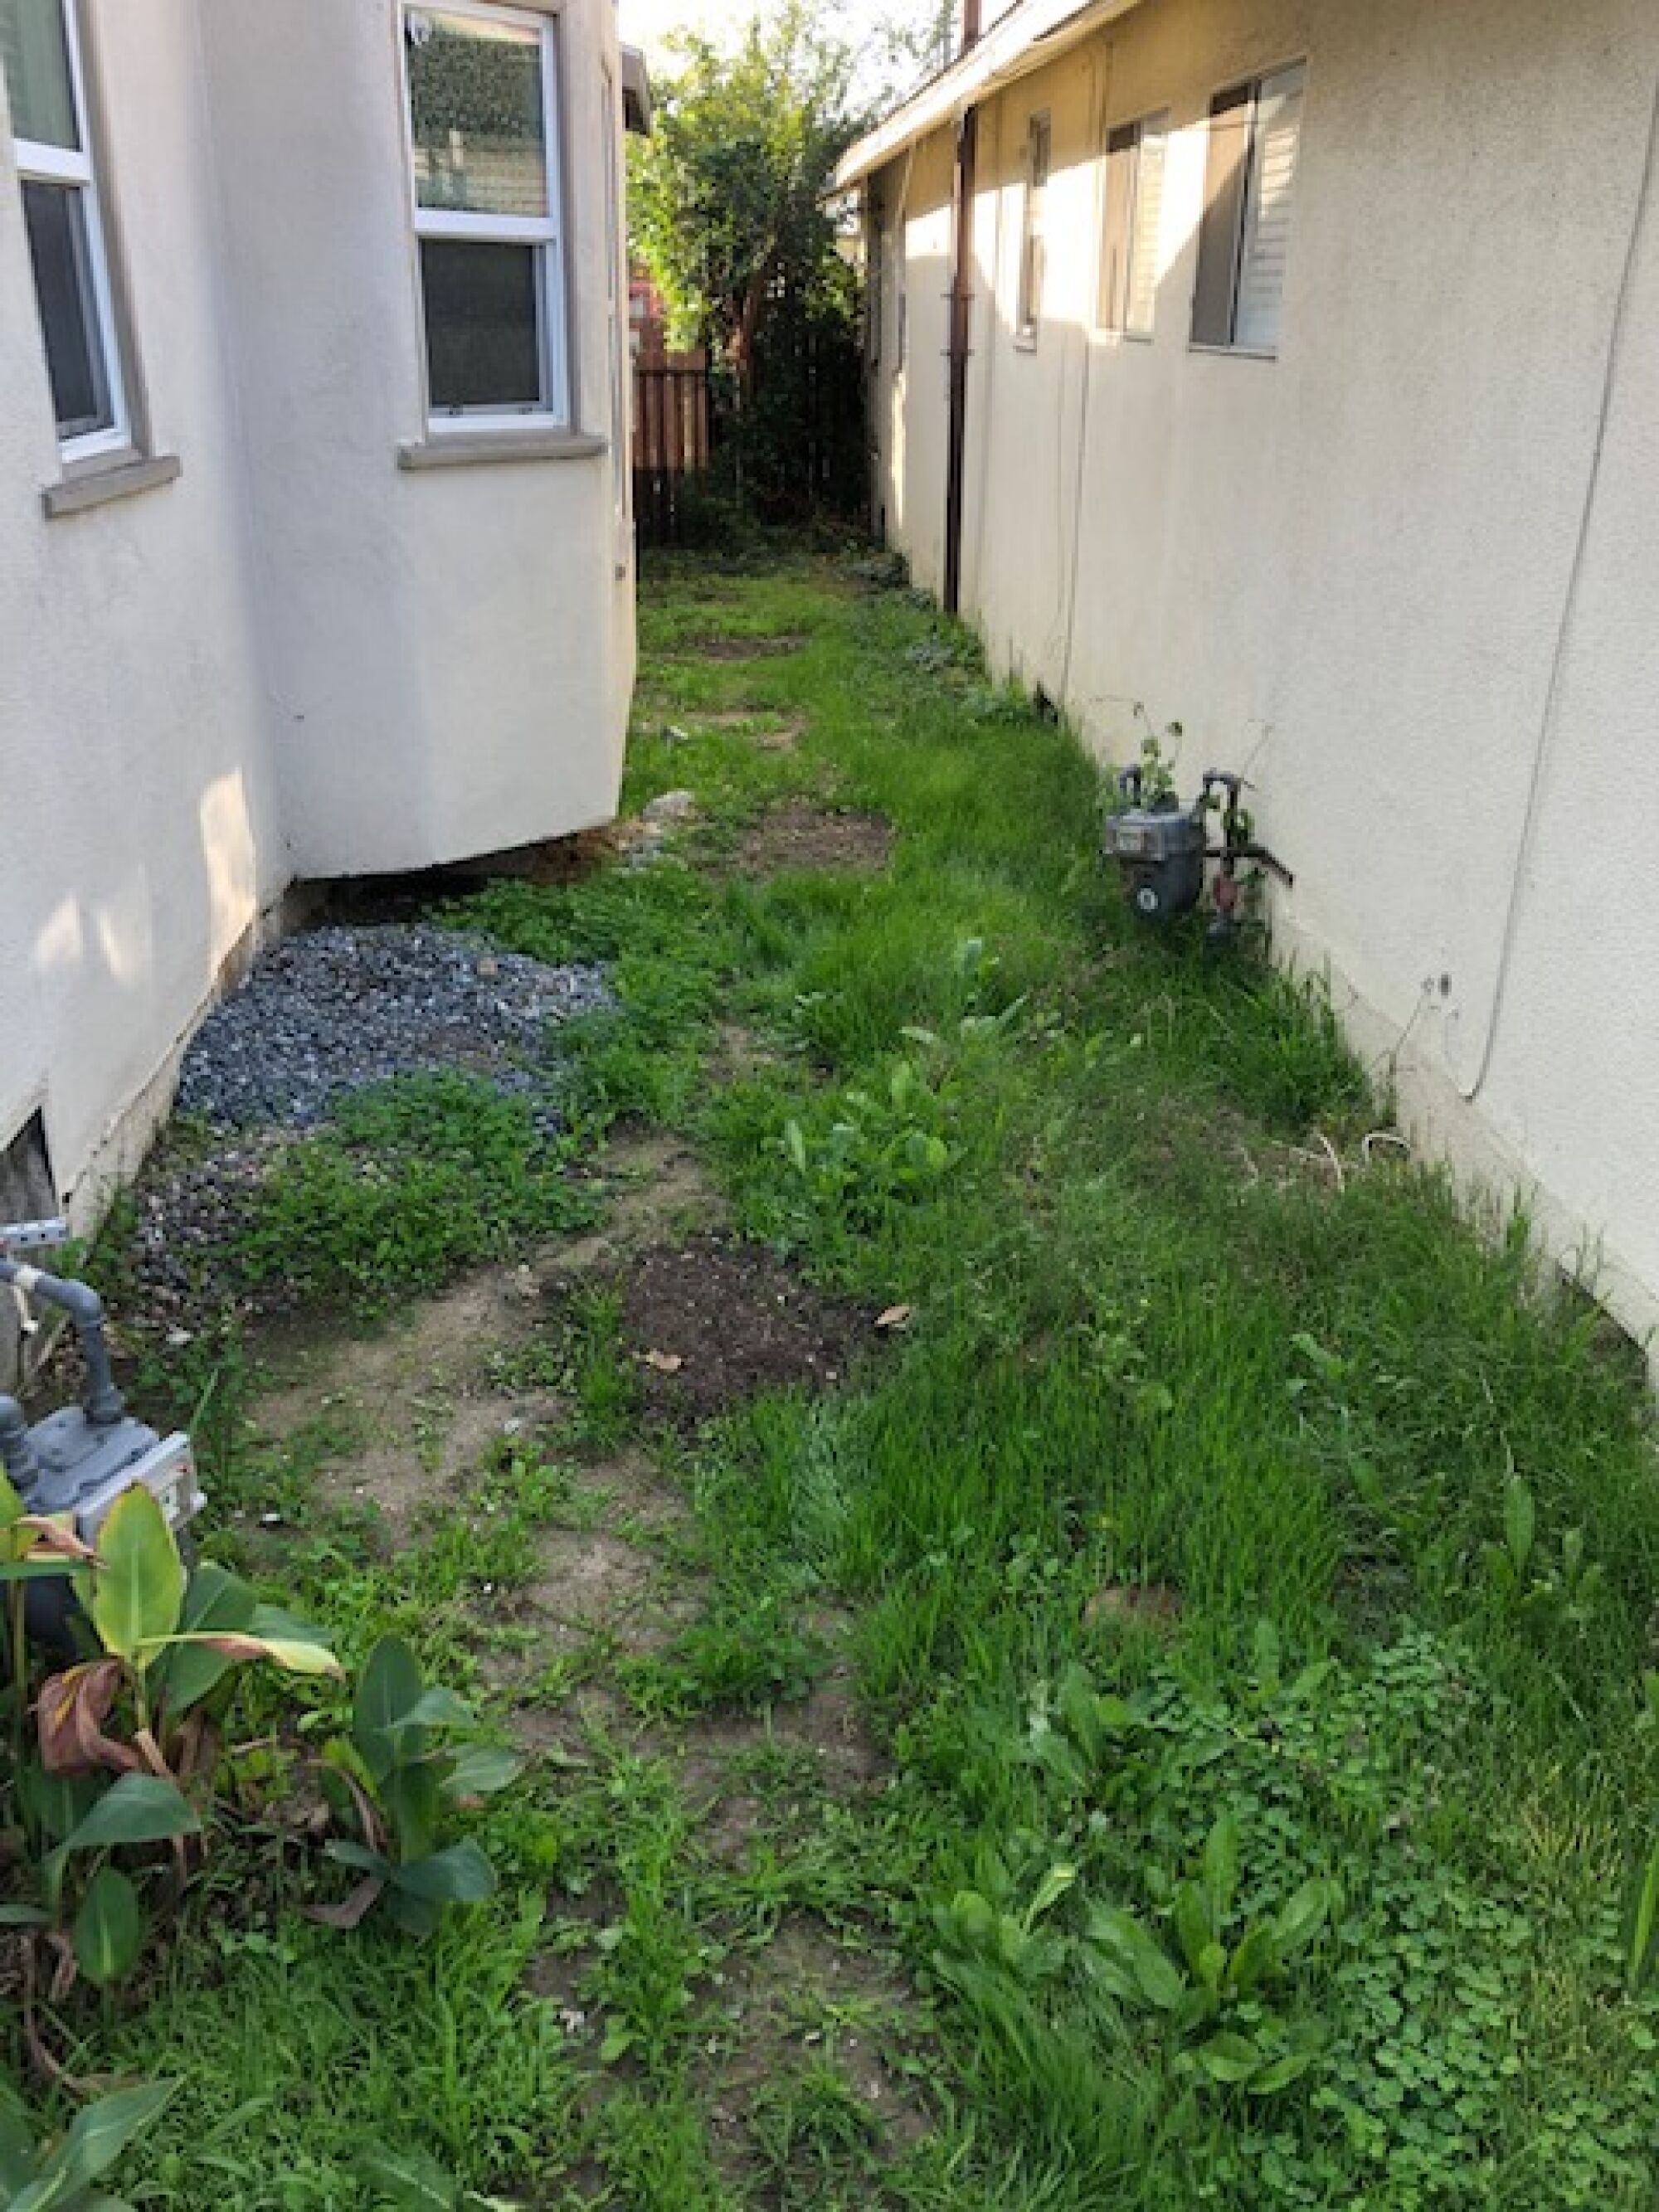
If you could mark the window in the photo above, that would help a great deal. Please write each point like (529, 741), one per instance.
(1039, 146)
(483, 142)
(620, 457)
(1256, 133)
(39, 45)
(875, 282)
(1134, 225)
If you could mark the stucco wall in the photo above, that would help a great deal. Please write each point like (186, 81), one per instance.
(295, 660)
(451, 651)
(136, 793)
(1348, 570)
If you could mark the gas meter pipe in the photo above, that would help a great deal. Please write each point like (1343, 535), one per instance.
(105, 1404)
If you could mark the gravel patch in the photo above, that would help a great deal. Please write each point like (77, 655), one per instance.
(338, 1009)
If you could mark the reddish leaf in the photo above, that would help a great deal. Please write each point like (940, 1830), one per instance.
(70, 1717)
(351, 1911)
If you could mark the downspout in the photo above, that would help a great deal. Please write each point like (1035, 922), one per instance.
(961, 312)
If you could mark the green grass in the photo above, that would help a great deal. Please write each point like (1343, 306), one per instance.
(1156, 1341)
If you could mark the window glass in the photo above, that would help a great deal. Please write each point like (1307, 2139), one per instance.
(34, 48)
(483, 325)
(479, 129)
(55, 217)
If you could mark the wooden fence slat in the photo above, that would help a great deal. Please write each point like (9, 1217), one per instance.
(672, 441)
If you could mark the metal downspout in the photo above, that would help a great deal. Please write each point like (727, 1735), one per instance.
(962, 312)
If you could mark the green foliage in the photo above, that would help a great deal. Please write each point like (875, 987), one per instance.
(399, 1778)
(65, 2174)
(729, 207)
(407, 1183)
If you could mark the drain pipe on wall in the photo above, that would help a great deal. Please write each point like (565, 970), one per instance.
(962, 313)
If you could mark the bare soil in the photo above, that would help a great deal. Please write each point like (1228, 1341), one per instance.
(723, 646)
(716, 1320)
(796, 835)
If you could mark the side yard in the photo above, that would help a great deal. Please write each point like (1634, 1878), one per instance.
(1080, 1637)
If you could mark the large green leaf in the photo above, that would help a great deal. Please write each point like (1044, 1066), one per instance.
(460, 1875)
(408, 2180)
(479, 1770)
(1220, 1867)
(216, 1600)
(57, 1803)
(1303, 1917)
(19, 2159)
(99, 2137)
(1194, 1922)
(140, 1808)
(109, 1928)
(1141, 1961)
(136, 1587)
(388, 1690)
(411, 1797)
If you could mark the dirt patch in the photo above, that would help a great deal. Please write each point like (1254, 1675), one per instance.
(807, 2001)
(724, 646)
(741, 1776)
(656, 1191)
(403, 1420)
(798, 835)
(768, 731)
(716, 1320)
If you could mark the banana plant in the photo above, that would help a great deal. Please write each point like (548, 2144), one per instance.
(397, 1778)
(166, 1640)
(33, 1545)
(63, 2174)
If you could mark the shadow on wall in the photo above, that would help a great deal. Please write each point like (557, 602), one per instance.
(120, 981)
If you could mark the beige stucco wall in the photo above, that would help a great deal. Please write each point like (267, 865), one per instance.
(1348, 570)
(295, 660)
(136, 796)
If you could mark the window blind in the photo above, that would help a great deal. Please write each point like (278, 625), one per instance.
(1269, 199)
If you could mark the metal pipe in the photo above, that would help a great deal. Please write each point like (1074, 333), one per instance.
(104, 1403)
(17, 1452)
(962, 315)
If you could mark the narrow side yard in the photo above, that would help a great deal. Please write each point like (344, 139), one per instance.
(1080, 1637)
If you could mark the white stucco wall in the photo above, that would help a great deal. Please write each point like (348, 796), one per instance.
(136, 792)
(451, 651)
(296, 659)
(1348, 570)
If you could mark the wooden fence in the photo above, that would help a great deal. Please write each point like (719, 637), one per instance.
(673, 425)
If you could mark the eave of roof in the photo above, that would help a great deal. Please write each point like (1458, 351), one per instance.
(1025, 38)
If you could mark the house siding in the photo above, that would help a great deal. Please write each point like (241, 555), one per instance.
(296, 659)
(1356, 571)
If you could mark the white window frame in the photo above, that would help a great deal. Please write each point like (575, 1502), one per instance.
(1245, 225)
(546, 231)
(63, 165)
(1033, 231)
(616, 308)
(1138, 129)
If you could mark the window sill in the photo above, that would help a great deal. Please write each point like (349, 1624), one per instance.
(460, 449)
(1232, 352)
(99, 483)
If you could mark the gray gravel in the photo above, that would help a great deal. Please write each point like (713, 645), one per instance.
(338, 1009)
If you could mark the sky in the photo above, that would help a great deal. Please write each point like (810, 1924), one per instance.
(648, 23)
